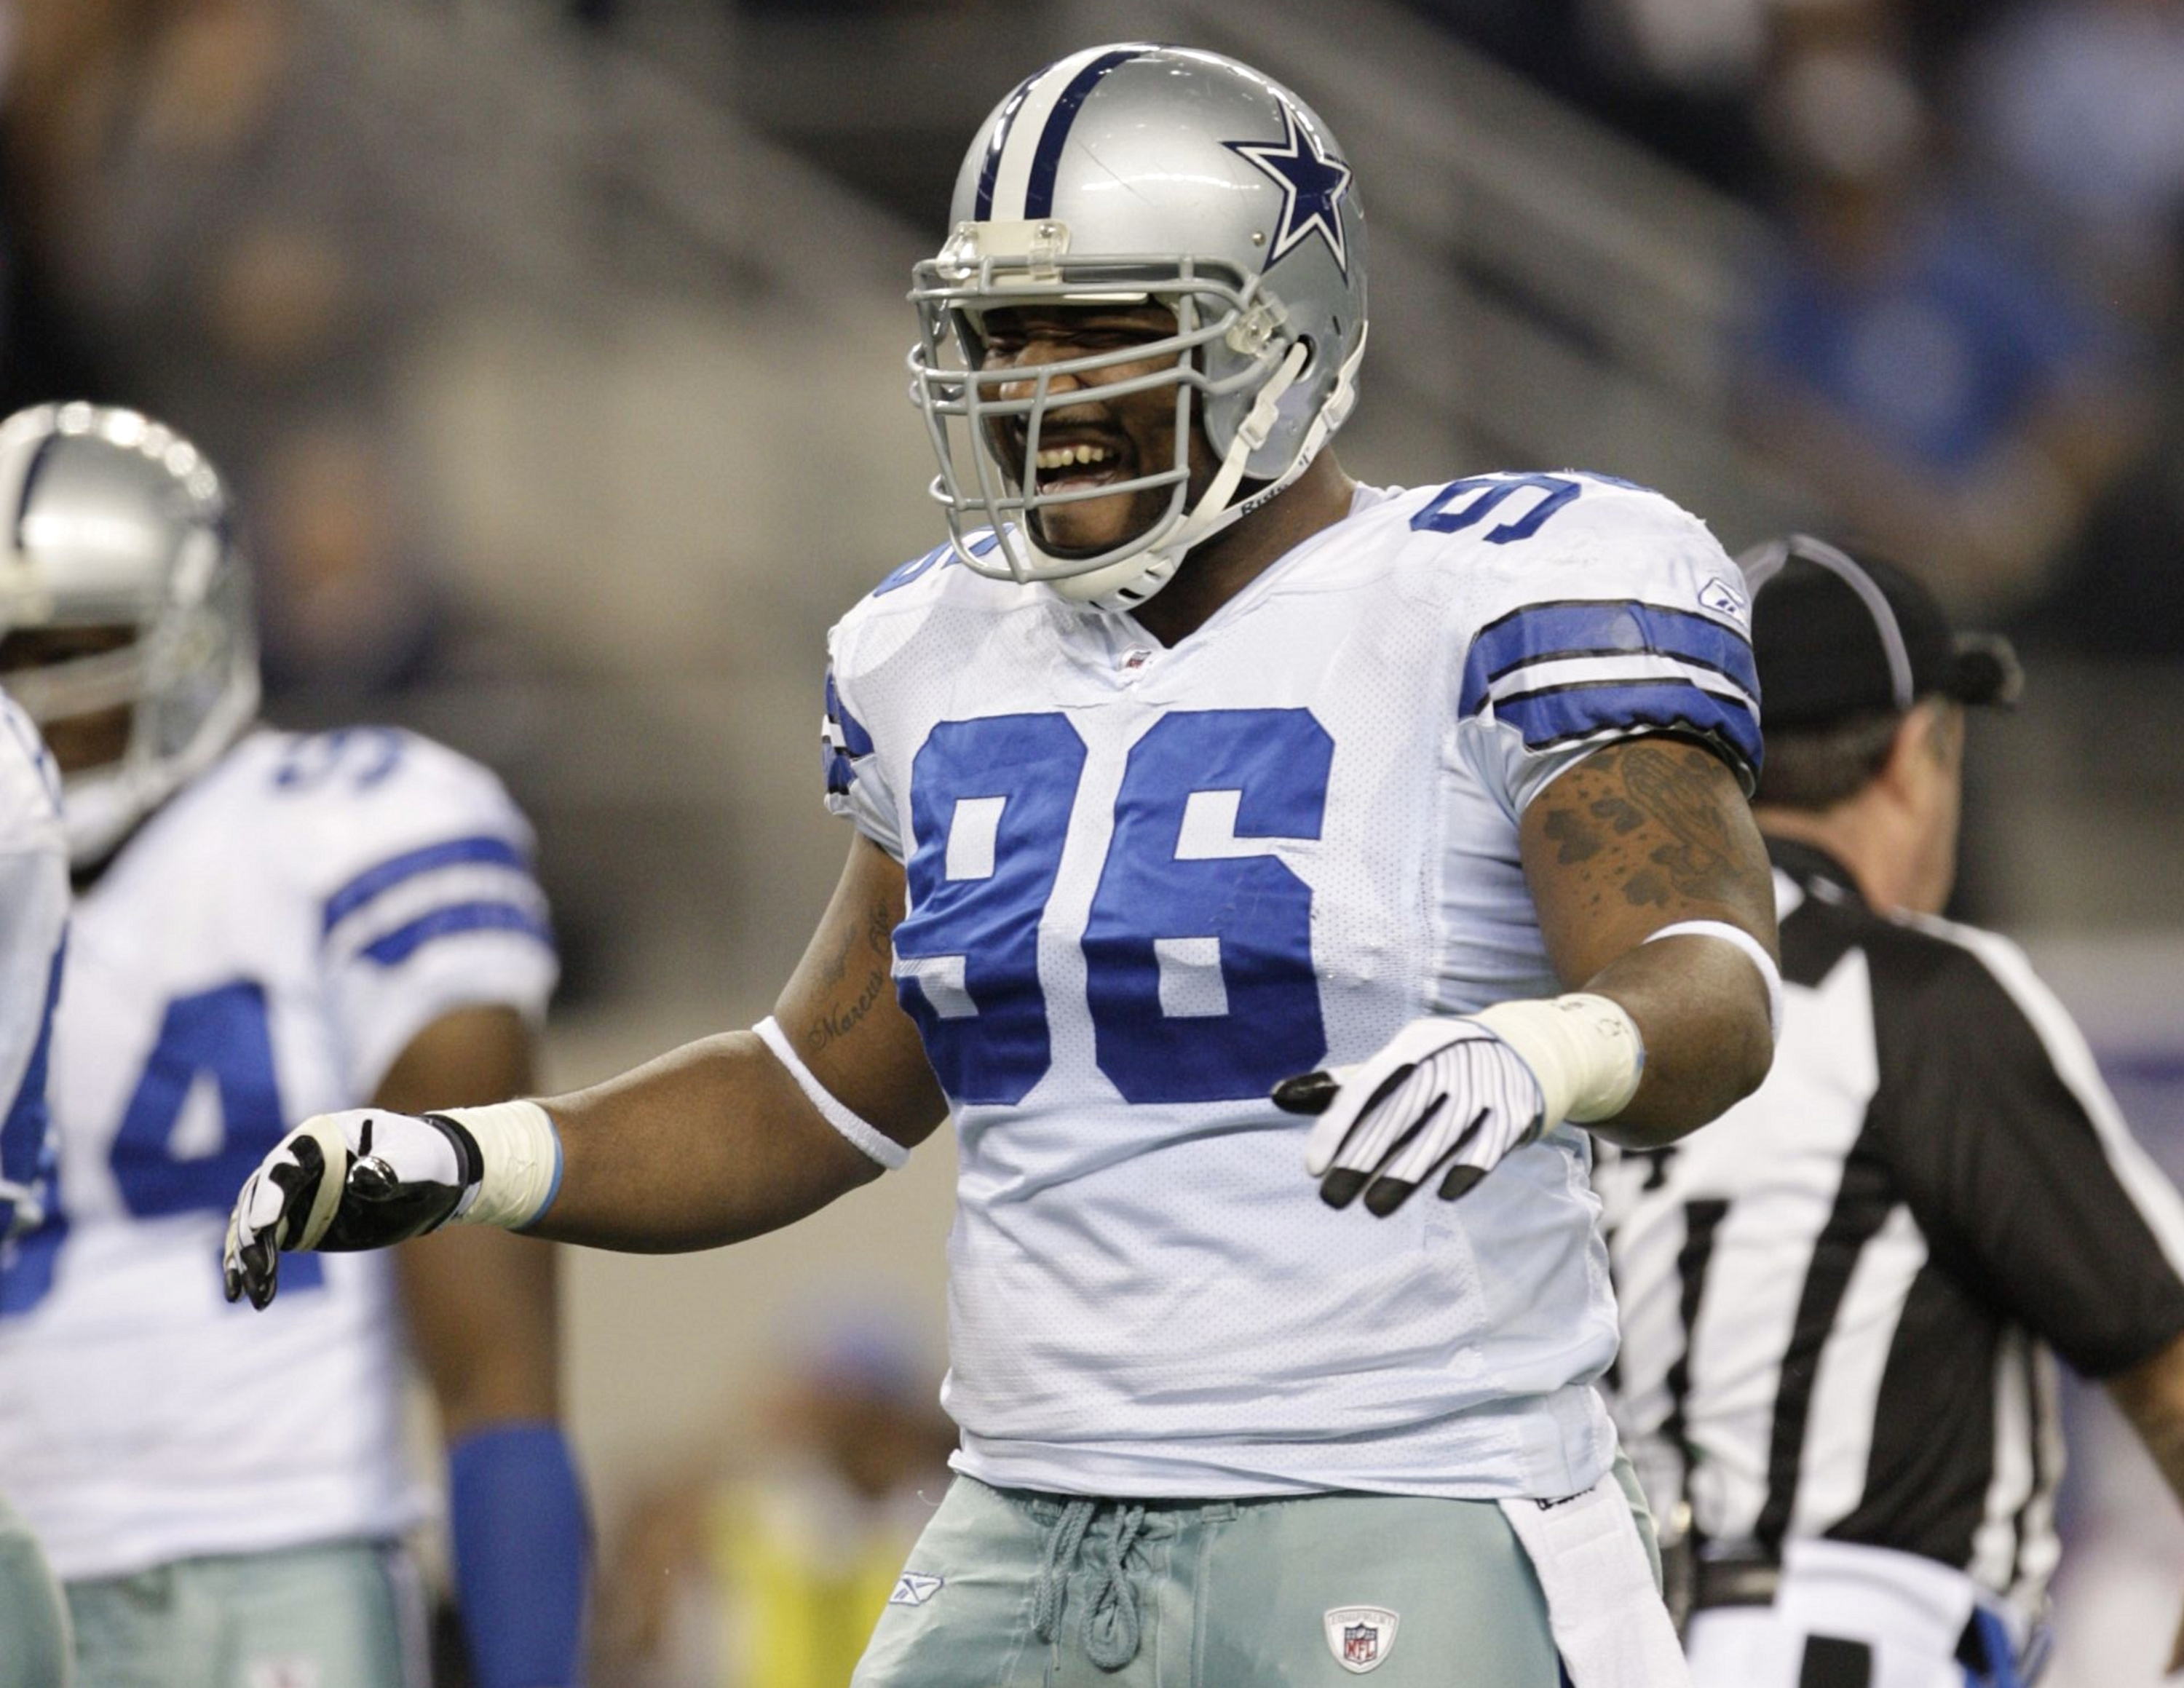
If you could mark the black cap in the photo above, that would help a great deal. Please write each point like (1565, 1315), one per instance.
(1835, 635)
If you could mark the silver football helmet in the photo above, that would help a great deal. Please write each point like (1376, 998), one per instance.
(115, 522)
(1129, 174)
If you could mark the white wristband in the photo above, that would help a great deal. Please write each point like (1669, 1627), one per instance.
(521, 1155)
(868, 1138)
(1769, 974)
(1585, 1050)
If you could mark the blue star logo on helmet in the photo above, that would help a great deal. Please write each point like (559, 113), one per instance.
(1312, 185)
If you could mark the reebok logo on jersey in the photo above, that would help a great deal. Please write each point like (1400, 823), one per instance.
(1719, 596)
(912, 1588)
(1361, 1637)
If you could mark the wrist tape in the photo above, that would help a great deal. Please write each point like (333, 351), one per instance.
(1585, 1050)
(520, 1163)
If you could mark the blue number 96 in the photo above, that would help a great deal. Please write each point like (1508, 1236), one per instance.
(1198, 948)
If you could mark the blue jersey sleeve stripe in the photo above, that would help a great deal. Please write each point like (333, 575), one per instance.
(393, 948)
(1610, 655)
(452, 853)
(1543, 633)
(854, 739)
(1555, 714)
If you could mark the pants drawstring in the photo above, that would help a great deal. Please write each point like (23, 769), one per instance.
(1110, 1626)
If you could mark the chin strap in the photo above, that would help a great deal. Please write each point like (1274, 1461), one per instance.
(1128, 582)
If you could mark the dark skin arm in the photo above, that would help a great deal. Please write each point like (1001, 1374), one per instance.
(715, 1142)
(480, 1303)
(1640, 835)
(2152, 1397)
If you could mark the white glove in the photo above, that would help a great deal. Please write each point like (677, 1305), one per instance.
(1442, 1093)
(363, 1179)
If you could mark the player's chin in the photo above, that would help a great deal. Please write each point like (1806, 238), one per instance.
(1091, 527)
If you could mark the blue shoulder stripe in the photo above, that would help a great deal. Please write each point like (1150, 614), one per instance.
(452, 853)
(1557, 714)
(1541, 633)
(854, 739)
(398, 946)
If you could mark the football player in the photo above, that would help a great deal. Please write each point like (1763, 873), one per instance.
(1184, 766)
(34, 907)
(265, 924)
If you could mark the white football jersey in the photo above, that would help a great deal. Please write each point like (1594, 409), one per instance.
(1147, 883)
(261, 950)
(34, 909)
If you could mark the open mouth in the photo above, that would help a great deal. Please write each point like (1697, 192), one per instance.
(1078, 465)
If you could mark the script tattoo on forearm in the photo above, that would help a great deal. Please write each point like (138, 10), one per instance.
(1650, 789)
(877, 936)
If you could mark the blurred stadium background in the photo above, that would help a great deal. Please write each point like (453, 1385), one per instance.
(555, 346)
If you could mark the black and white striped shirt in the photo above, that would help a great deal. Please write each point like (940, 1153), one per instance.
(1839, 1301)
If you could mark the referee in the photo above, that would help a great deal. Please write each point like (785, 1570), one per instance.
(1841, 1302)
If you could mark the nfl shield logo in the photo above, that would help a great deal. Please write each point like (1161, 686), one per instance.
(1360, 1637)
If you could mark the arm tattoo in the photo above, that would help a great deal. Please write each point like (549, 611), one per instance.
(840, 1019)
(1645, 818)
(1667, 789)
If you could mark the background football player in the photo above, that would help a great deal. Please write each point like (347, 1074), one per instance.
(1184, 766)
(266, 923)
(33, 904)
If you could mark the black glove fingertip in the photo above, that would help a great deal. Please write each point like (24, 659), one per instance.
(261, 1272)
(1305, 1093)
(1459, 1181)
(1386, 1196)
(1339, 1188)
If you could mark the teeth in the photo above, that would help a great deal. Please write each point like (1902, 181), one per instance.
(1062, 457)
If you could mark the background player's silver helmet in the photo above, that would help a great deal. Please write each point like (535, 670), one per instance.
(113, 521)
(1124, 175)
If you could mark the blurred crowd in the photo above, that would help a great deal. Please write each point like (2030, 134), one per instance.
(1963, 341)
(764, 1556)
(1967, 338)
(197, 221)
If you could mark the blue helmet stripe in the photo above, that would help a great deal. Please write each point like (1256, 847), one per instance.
(1039, 192)
(991, 168)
